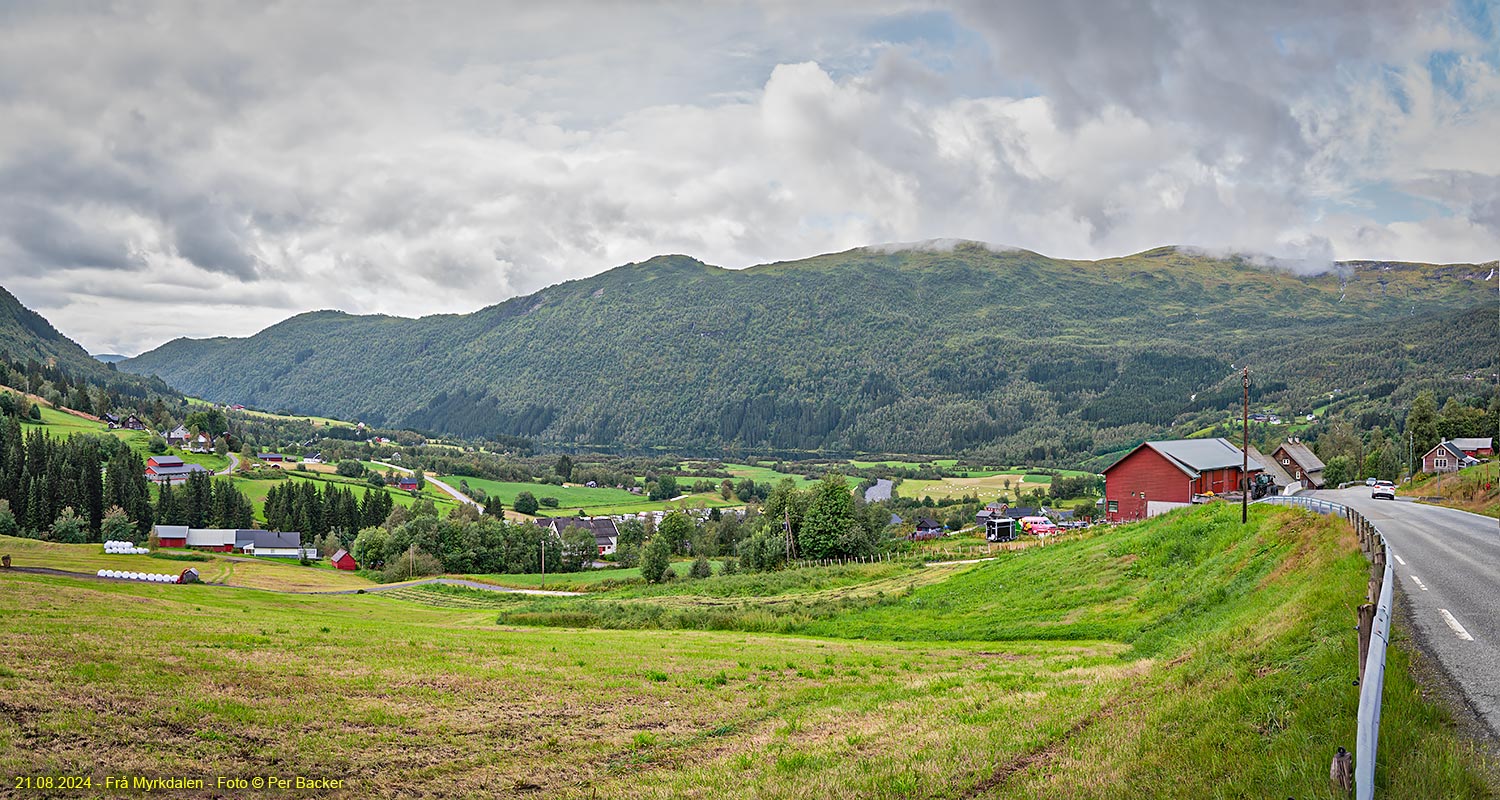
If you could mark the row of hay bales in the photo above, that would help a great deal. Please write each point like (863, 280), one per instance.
(124, 548)
(149, 577)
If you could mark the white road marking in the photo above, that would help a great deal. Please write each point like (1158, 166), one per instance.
(1420, 584)
(1453, 623)
(1400, 560)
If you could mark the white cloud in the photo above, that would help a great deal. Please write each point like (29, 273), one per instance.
(218, 172)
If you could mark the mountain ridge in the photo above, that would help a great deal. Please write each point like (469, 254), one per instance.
(912, 350)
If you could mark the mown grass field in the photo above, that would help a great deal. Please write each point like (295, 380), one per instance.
(1184, 657)
(987, 488)
(236, 570)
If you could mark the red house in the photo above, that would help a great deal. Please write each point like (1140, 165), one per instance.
(1157, 477)
(342, 560)
(406, 484)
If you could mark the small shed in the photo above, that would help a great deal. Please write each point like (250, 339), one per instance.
(342, 560)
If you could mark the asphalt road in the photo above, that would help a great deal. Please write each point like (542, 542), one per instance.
(1447, 565)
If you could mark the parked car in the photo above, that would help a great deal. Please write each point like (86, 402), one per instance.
(1369, 481)
(1384, 489)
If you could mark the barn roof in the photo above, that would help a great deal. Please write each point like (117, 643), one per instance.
(1474, 443)
(1193, 456)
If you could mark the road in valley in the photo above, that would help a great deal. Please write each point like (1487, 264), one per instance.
(1447, 566)
(234, 465)
(454, 493)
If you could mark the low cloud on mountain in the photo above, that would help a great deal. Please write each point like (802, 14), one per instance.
(171, 169)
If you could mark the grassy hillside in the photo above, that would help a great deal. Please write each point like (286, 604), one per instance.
(1215, 666)
(1475, 489)
(931, 352)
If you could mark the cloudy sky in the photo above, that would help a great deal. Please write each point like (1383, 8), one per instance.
(200, 169)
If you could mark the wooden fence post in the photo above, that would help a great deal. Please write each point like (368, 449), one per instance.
(1366, 625)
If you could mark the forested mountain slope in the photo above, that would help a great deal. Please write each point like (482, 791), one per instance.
(917, 350)
(25, 334)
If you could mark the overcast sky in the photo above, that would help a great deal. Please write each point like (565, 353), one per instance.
(201, 169)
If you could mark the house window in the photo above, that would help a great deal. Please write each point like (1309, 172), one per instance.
(1299, 474)
(1285, 461)
(1114, 507)
(1441, 462)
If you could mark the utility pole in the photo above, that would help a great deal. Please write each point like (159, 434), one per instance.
(544, 558)
(1245, 455)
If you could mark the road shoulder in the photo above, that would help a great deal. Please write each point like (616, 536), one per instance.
(1439, 688)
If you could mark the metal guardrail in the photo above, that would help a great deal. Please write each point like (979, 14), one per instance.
(1372, 683)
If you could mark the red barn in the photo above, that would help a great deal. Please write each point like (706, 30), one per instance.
(406, 484)
(1476, 447)
(171, 535)
(1157, 477)
(342, 560)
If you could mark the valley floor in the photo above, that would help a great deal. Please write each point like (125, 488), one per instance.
(1183, 657)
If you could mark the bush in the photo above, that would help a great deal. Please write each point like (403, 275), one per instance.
(8, 526)
(701, 568)
(68, 528)
(156, 446)
(116, 526)
(525, 503)
(549, 502)
(414, 563)
(656, 559)
(731, 567)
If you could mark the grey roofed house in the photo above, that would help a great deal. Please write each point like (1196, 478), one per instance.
(604, 529)
(1303, 455)
(1474, 443)
(268, 540)
(1279, 476)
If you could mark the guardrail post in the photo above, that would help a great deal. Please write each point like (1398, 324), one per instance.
(1366, 614)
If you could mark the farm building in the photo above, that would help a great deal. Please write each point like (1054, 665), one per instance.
(1476, 447)
(110, 419)
(274, 544)
(171, 535)
(133, 423)
(1279, 477)
(1157, 477)
(269, 456)
(1298, 461)
(342, 560)
(927, 529)
(606, 534)
(170, 468)
(407, 484)
(1447, 457)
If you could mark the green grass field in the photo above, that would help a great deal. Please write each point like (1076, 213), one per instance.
(255, 490)
(1183, 657)
(1475, 489)
(765, 475)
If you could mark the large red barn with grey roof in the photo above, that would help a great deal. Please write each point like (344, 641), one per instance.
(1159, 476)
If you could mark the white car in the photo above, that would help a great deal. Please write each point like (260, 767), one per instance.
(1369, 481)
(1384, 489)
